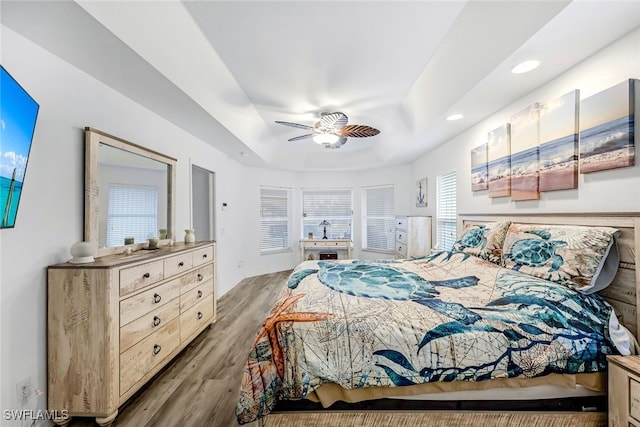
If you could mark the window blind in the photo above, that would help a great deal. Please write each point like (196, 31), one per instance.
(446, 210)
(378, 219)
(333, 205)
(274, 219)
(132, 212)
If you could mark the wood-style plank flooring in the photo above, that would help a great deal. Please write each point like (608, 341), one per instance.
(199, 388)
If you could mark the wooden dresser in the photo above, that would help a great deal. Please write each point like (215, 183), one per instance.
(413, 236)
(115, 322)
(624, 391)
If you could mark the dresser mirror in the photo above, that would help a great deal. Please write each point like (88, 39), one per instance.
(128, 194)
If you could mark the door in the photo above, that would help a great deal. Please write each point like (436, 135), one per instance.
(203, 203)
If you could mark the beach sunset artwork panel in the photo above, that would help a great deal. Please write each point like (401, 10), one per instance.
(606, 123)
(559, 143)
(479, 168)
(499, 160)
(525, 139)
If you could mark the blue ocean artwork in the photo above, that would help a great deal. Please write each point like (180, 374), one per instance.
(18, 113)
(499, 168)
(559, 151)
(608, 146)
(524, 162)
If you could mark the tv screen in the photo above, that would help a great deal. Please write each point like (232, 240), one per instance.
(18, 113)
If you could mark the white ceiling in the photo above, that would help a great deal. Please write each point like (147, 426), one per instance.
(401, 67)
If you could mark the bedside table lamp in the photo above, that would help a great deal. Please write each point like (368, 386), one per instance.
(324, 223)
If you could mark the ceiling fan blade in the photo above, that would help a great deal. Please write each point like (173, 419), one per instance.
(295, 125)
(358, 131)
(298, 138)
(333, 120)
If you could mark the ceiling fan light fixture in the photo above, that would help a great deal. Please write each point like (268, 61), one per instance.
(325, 138)
(525, 67)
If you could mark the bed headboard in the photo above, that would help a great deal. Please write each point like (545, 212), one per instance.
(623, 293)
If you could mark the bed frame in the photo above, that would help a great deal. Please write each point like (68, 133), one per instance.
(621, 294)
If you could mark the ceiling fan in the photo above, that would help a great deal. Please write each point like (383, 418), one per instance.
(332, 130)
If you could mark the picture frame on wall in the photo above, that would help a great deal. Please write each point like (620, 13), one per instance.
(607, 129)
(479, 168)
(525, 140)
(499, 160)
(421, 193)
(559, 143)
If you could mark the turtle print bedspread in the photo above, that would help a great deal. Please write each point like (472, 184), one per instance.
(446, 317)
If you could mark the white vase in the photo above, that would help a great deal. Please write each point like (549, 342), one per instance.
(189, 236)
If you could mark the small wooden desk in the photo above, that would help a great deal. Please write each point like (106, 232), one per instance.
(339, 244)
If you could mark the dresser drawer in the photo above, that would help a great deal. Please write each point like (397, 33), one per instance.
(401, 236)
(147, 301)
(202, 256)
(136, 362)
(401, 249)
(144, 326)
(196, 278)
(178, 264)
(634, 400)
(401, 222)
(140, 276)
(199, 293)
(196, 317)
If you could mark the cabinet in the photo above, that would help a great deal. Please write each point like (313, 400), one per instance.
(325, 244)
(624, 391)
(114, 323)
(413, 236)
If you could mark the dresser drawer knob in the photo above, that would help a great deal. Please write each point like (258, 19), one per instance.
(200, 277)
(156, 298)
(146, 275)
(156, 321)
(181, 264)
(199, 293)
(199, 315)
(156, 349)
(399, 236)
(204, 255)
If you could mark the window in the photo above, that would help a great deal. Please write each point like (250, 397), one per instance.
(274, 219)
(332, 205)
(133, 212)
(446, 210)
(378, 220)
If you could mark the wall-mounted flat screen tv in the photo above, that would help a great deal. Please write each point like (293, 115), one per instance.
(18, 114)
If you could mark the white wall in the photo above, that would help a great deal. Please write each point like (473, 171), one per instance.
(606, 191)
(255, 263)
(50, 216)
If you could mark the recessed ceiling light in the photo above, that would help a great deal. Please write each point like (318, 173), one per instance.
(525, 67)
(455, 117)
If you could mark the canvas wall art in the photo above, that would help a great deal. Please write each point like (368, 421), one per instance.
(18, 115)
(559, 143)
(525, 142)
(607, 129)
(479, 168)
(421, 193)
(499, 161)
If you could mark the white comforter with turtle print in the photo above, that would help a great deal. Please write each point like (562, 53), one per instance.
(446, 317)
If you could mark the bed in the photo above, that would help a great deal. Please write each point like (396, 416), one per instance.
(522, 303)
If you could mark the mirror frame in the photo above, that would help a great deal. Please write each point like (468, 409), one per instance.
(93, 139)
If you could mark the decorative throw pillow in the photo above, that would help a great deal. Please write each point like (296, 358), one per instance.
(483, 240)
(574, 256)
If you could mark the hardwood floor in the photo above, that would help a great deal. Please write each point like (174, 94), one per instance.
(200, 387)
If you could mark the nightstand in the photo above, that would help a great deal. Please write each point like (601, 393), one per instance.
(624, 391)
